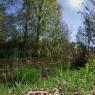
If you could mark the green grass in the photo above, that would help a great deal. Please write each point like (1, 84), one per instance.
(72, 81)
(26, 73)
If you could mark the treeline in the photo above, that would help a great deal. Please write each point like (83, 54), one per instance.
(34, 29)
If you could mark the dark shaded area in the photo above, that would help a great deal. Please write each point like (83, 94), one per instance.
(81, 56)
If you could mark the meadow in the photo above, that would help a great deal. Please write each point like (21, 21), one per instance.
(72, 81)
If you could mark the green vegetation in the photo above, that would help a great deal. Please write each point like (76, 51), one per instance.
(36, 51)
(72, 81)
(26, 73)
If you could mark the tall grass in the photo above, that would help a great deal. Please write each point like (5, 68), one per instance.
(26, 73)
(74, 82)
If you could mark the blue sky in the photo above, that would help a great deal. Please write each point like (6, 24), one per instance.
(71, 17)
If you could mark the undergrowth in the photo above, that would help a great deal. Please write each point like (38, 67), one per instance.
(73, 82)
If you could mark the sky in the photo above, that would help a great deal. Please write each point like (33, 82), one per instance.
(71, 16)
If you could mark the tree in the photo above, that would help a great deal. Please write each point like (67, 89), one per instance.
(1, 22)
(87, 31)
(38, 18)
(33, 24)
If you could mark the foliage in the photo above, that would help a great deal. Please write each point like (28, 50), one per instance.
(86, 32)
(35, 30)
(80, 55)
(72, 81)
(1, 22)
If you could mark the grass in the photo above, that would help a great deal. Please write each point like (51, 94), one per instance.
(74, 82)
(26, 73)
